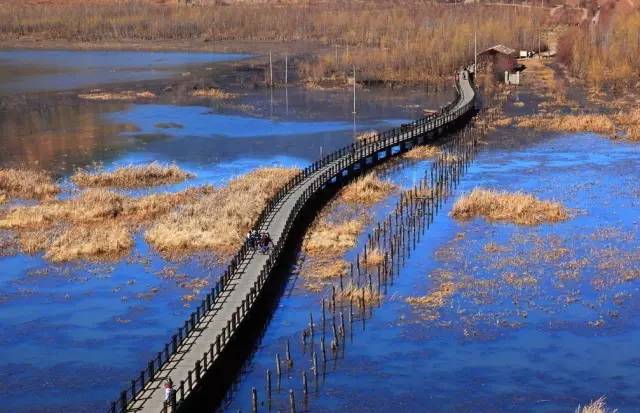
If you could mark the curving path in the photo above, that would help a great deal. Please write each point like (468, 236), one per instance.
(199, 344)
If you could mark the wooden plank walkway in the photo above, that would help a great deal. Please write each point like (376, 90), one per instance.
(193, 354)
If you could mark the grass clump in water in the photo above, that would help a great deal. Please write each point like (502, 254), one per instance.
(367, 190)
(597, 406)
(27, 184)
(219, 221)
(357, 293)
(423, 152)
(437, 298)
(212, 93)
(327, 238)
(132, 176)
(518, 208)
(127, 95)
(108, 241)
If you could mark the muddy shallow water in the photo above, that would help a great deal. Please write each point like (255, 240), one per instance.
(75, 334)
(566, 337)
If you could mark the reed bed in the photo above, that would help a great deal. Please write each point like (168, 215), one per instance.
(374, 258)
(357, 293)
(423, 152)
(131, 176)
(599, 123)
(367, 135)
(127, 95)
(105, 241)
(596, 406)
(367, 190)
(325, 269)
(212, 93)
(96, 205)
(219, 221)
(26, 184)
(326, 238)
(518, 208)
(385, 40)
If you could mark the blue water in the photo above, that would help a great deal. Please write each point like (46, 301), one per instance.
(199, 121)
(482, 354)
(53, 70)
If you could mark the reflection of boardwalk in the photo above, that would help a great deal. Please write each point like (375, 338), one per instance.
(192, 356)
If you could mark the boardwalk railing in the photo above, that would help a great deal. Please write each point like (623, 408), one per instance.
(315, 176)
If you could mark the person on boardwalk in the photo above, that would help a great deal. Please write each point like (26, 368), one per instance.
(168, 390)
(265, 242)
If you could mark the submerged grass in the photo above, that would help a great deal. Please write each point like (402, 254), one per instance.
(132, 176)
(27, 184)
(220, 220)
(517, 207)
(437, 298)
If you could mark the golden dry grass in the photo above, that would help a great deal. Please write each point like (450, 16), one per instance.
(629, 121)
(379, 41)
(212, 93)
(352, 291)
(95, 205)
(3, 198)
(596, 406)
(375, 257)
(106, 241)
(132, 176)
(367, 135)
(437, 298)
(423, 152)
(127, 95)
(28, 184)
(324, 270)
(366, 190)
(517, 207)
(219, 221)
(326, 238)
(599, 123)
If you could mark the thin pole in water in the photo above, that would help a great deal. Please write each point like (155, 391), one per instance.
(270, 70)
(354, 89)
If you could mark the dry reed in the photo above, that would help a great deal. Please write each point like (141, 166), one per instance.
(597, 406)
(108, 241)
(366, 190)
(357, 293)
(323, 269)
(518, 208)
(374, 258)
(599, 123)
(28, 184)
(219, 221)
(212, 93)
(127, 95)
(437, 298)
(376, 39)
(132, 176)
(423, 152)
(367, 135)
(325, 238)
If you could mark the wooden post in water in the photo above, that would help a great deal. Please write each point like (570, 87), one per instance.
(254, 400)
(268, 384)
(292, 401)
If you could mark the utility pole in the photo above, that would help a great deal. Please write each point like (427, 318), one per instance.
(354, 89)
(270, 70)
(475, 51)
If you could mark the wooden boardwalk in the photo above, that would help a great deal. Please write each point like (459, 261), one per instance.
(199, 344)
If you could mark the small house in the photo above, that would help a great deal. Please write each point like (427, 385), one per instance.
(502, 61)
